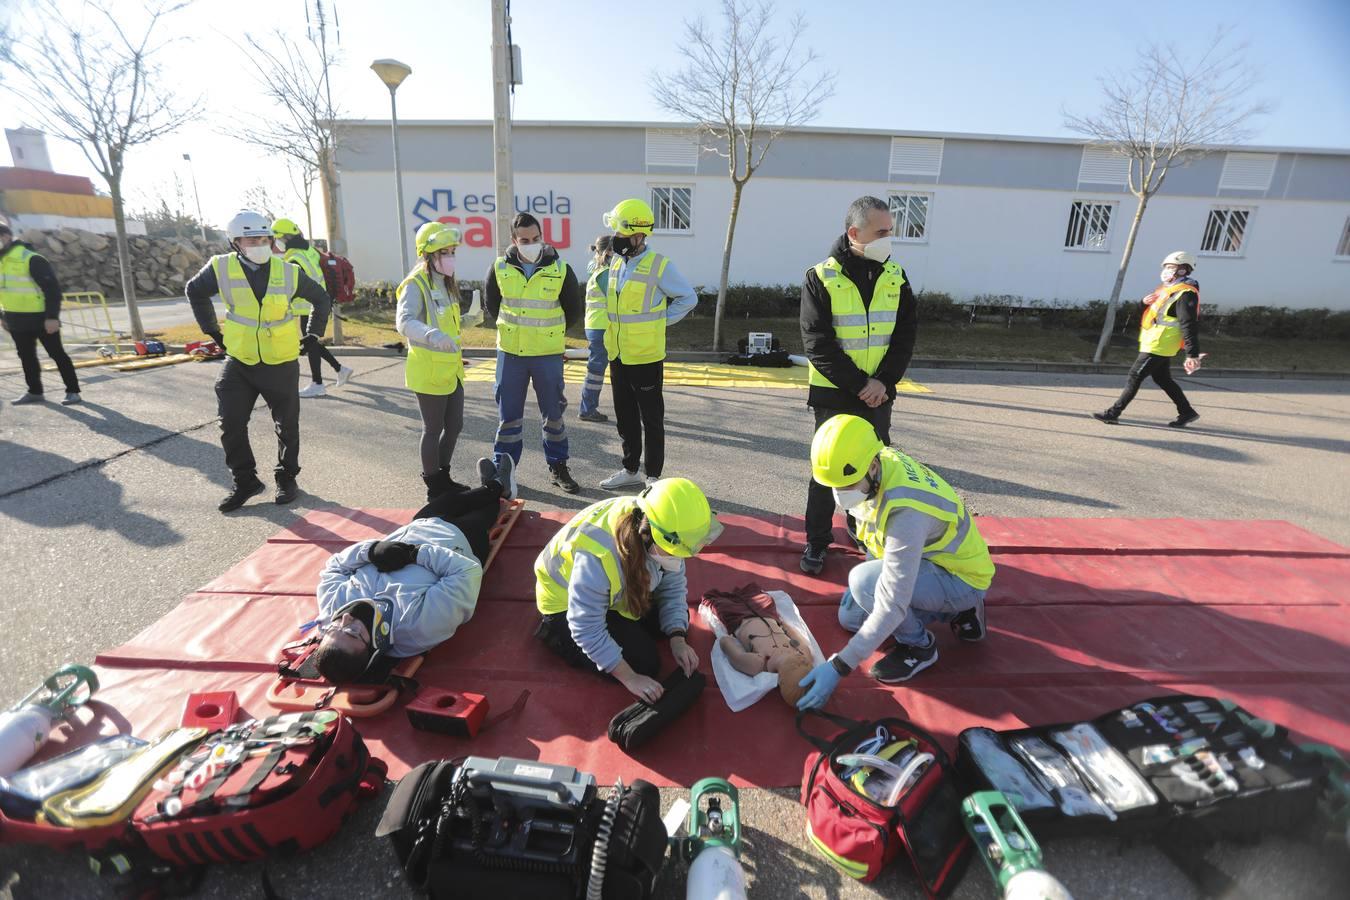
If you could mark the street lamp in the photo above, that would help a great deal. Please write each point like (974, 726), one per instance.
(201, 223)
(392, 72)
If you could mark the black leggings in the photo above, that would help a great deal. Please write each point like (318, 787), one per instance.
(25, 342)
(472, 512)
(637, 640)
(1159, 368)
(640, 411)
(318, 352)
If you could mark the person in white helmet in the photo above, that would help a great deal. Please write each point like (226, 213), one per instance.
(1170, 322)
(261, 337)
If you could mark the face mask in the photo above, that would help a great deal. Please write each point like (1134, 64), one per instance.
(530, 252)
(849, 500)
(622, 244)
(878, 250)
(668, 563)
(1167, 276)
(258, 255)
(445, 265)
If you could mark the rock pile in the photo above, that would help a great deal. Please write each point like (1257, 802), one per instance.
(87, 261)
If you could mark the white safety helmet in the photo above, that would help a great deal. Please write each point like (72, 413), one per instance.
(247, 223)
(1180, 258)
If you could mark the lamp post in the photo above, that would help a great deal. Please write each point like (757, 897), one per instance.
(392, 72)
(201, 224)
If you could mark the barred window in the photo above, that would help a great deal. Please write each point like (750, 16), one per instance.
(910, 212)
(1224, 230)
(1343, 248)
(673, 207)
(1089, 225)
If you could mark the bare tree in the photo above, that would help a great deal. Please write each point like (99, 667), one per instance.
(1175, 105)
(97, 84)
(302, 178)
(742, 88)
(261, 198)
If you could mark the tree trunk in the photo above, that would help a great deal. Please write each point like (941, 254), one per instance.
(336, 243)
(736, 188)
(124, 259)
(1109, 325)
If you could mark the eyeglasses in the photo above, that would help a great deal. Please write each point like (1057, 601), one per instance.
(334, 627)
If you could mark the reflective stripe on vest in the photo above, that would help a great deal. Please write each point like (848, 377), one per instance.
(591, 531)
(19, 293)
(429, 369)
(1159, 328)
(863, 332)
(597, 315)
(530, 321)
(635, 332)
(908, 483)
(309, 263)
(258, 330)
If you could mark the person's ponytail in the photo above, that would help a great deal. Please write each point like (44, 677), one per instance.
(637, 589)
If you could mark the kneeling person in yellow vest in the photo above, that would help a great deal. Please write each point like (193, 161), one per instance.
(296, 250)
(613, 580)
(926, 559)
(262, 339)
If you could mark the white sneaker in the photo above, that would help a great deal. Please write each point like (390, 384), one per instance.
(651, 481)
(622, 479)
(345, 375)
(313, 390)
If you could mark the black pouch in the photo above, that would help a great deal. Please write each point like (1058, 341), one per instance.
(637, 844)
(639, 723)
(411, 816)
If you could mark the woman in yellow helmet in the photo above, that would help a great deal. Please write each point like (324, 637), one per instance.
(613, 579)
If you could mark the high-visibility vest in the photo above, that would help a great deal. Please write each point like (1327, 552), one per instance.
(635, 330)
(308, 261)
(19, 293)
(530, 321)
(592, 531)
(258, 331)
(907, 483)
(597, 313)
(429, 370)
(864, 332)
(1160, 329)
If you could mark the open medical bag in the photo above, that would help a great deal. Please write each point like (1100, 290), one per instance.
(860, 821)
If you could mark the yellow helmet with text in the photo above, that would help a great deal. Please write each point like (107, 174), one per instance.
(682, 522)
(843, 450)
(434, 236)
(630, 216)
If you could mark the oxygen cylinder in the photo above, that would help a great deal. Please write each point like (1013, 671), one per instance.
(1008, 849)
(25, 727)
(714, 843)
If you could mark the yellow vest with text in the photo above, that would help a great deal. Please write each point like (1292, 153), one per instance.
(591, 531)
(530, 321)
(429, 370)
(255, 331)
(635, 330)
(597, 312)
(1160, 329)
(863, 332)
(907, 483)
(19, 293)
(308, 261)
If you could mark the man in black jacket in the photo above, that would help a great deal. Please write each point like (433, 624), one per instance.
(859, 321)
(30, 310)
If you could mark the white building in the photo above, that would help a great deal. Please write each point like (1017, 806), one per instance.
(1040, 218)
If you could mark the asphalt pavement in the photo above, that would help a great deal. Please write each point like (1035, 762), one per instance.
(107, 518)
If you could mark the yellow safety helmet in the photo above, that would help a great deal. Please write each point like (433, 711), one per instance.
(842, 451)
(682, 521)
(630, 217)
(284, 228)
(435, 236)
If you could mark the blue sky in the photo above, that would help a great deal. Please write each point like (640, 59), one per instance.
(982, 67)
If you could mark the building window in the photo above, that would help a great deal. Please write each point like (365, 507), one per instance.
(1343, 248)
(1224, 231)
(674, 208)
(910, 212)
(1089, 225)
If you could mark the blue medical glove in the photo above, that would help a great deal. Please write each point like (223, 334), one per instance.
(821, 682)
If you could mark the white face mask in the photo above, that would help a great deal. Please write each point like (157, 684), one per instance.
(849, 500)
(668, 563)
(1166, 276)
(530, 252)
(445, 265)
(258, 255)
(878, 250)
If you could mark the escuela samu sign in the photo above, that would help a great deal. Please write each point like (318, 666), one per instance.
(473, 215)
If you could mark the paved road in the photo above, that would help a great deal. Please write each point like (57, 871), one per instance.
(155, 314)
(108, 514)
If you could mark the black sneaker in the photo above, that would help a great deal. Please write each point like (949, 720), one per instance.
(596, 416)
(287, 490)
(1183, 420)
(506, 475)
(969, 625)
(904, 662)
(813, 559)
(1106, 417)
(487, 472)
(28, 398)
(239, 496)
(559, 475)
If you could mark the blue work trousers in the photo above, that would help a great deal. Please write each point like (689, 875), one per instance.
(514, 374)
(596, 364)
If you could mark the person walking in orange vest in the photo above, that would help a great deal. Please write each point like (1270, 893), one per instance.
(1170, 322)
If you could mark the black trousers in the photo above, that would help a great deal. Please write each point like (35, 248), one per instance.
(637, 640)
(317, 353)
(819, 498)
(640, 412)
(25, 342)
(1159, 368)
(472, 512)
(237, 392)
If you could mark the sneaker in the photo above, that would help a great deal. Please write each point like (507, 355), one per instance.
(813, 560)
(904, 662)
(314, 389)
(596, 416)
(72, 398)
(239, 496)
(562, 478)
(438, 483)
(287, 490)
(506, 475)
(1106, 417)
(969, 625)
(345, 375)
(622, 479)
(487, 472)
(27, 399)
(1183, 420)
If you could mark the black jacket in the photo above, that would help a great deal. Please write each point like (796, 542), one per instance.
(203, 287)
(40, 270)
(822, 347)
(572, 299)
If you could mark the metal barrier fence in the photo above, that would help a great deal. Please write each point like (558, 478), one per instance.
(85, 319)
